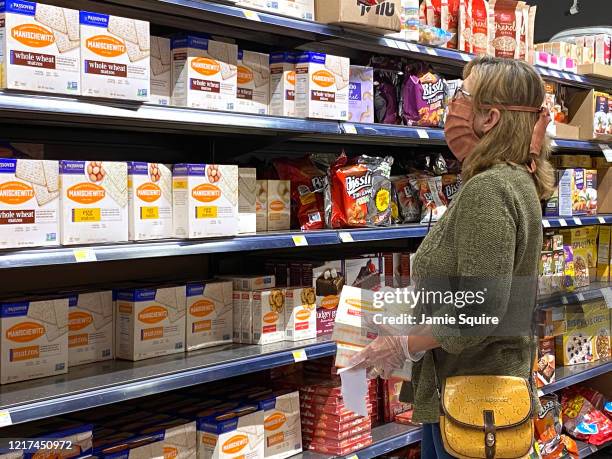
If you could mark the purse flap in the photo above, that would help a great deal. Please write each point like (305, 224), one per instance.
(466, 397)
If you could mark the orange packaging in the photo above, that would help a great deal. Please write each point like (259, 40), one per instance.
(450, 19)
(34, 340)
(41, 48)
(480, 26)
(431, 10)
(465, 26)
(505, 21)
(90, 328)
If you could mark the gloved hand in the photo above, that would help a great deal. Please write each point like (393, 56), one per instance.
(382, 356)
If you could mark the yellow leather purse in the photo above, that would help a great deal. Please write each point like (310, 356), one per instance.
(486, 417)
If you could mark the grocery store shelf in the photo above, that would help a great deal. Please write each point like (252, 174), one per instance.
(114, 381)
(574, 374)
(585, 145)
(594, 291)
(586, 450)
(558, 222)
(385, 438)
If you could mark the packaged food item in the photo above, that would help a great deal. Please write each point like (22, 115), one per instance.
(301, 9)
(392, 405)
(282, 84)
(450, 19)
(209, 312)
(247, 205)
(396, 269)
(431, 11)
(179, 437)
(431, 195)
(149, 201)
(328, 281)
(433, 36)
(253, 93)
(114, 57)
(300, 314)
(205, 200)
(150, 322)
(279, 205)
(505, 19)
(94, 202)
(161, 71)
(547, 425)
(363, 272)
(230, 433)
(386, 100)
(424, 96)
(408, 200)
(544, 371)
(345, 448)
(204, 72)
(603, 49)
(90, 328)
(321, 86)
(582, 421)
(248, 283)
(578, 239)
(29, 203)
(307, 191)
(600, 120)
(268, 311)
(480, 26)
(360, 192)
(603, 254)
(361, 94)
(41, 46)
(283, 434)
(34, 340)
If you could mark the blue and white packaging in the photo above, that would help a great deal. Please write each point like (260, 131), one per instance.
(209, 314)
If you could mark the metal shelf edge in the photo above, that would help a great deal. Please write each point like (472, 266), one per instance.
(594, 370)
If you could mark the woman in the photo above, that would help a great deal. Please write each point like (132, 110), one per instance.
(489, 239)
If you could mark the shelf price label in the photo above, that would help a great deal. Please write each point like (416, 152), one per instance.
(601, 220)
(346, 237)
(349, 128)
(466, 57)
(354, 456)
(431, 51)
(84, 255)
(422, 133)
(299, 240)
(607, 295)
(252, 15)
(577, 221)
(412, 47)
(564, 299)
(580, 297)
(5, 418)
(299, 355)
(562, 222)
(545, 223)
(540, 392)
(607, 151)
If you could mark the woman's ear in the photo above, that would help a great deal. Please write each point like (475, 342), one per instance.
(490, 120)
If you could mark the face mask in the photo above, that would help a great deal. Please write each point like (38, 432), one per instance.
(462, 139)
(459, 128)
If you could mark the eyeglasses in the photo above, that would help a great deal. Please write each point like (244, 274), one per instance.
(461, 92)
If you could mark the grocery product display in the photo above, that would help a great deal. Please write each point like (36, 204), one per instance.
(199, 200)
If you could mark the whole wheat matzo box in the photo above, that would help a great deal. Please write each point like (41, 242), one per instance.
(149, 201)
(161, 71)
(209, 314)
(205, 200)
(90, 327)
(34, 339)
(94, 202)
(150, 322)
(29, 203)
(253, 94)
(40, 47)
(204, 72)
(115, 57)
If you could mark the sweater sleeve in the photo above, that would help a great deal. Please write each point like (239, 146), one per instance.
(485, 240)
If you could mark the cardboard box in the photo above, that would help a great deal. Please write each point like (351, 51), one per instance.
(227, 435)
(576, 194)
(161, 71)
(205, 200)
(150, 322)
(204, 72)
(361, 94)
(115, 55)
(597, 316)
(261, 205)
(179, 437)
(382, 18)
(364, 272)
(209, 314)
(301, 9)
(236, 317)
(602, 49)
(544, 367)
(149, 201)
(268, 312)
(94, 202)
(41, 48)
(327, 280)
(578, 240)
(321, 86)
(603, 254)
(596, 70)
(300, 314)
(282, 84)
(589, 110)
(253, 94)
(249, 283)
(90, 328)
(279, 205)
(247, 203)
(282, 426)
(34, 340)
(29, 203)
(565, 131)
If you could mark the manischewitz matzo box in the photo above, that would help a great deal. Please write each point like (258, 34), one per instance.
(40, 47)
(115, 57)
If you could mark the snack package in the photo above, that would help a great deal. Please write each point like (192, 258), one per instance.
(423, 97)
(433, 200)
(408, 200)
(431, 11)
(547, 426)
(505, 19)
(479, 12)
(583, 421)
(360, 192)
(433, 36)
(386, 100)
(450, 19)
(307, 187)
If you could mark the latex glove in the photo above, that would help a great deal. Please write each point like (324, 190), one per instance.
(384, 355)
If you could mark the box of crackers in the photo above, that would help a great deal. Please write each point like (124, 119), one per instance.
(94, 202)
(161, 71)
(29, 203)
(115, 57)
(41, 47)
(34, 339)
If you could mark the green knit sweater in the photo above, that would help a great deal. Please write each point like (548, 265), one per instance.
(490, 236)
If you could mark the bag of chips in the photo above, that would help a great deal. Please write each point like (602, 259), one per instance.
(423, 97)
(408, 200)
(583, 421)
(433, 201)
(386, 106)
(307, 187)
(547, 425)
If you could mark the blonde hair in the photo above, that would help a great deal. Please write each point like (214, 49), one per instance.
(508, 82)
